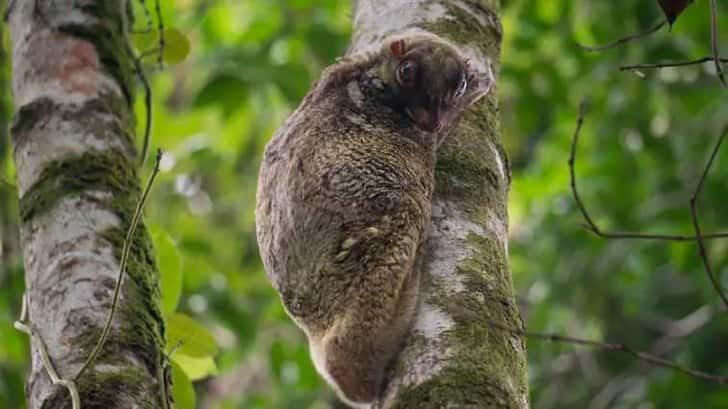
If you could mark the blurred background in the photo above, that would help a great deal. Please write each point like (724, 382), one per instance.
(643, 147)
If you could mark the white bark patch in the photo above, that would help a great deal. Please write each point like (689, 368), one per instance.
(58, 139)
(445, 247)
(373, 25)
(69, 228)
(431, 321)
(63, 243)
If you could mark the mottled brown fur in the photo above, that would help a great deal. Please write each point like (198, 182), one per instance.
(344, 203)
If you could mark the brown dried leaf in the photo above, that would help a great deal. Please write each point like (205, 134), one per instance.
(673, 8)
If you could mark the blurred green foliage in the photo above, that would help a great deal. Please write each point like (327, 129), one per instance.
(237, 68)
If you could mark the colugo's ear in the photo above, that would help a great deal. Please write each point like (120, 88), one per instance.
(397, 48)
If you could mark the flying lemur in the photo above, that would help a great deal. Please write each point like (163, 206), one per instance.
(344, 198)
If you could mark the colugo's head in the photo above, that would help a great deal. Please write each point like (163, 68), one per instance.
(429, 81)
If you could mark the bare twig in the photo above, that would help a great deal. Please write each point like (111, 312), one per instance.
(147, 101)
(699, 238)
(160, 28)
(122, 267)
(148, 53)
(714, 42)
(24, 326)
(671, 335)
(165, 375)
(591, 225)
(624, 40)
(145, 83)
(670, 64)
(610, 346)
(147, 18)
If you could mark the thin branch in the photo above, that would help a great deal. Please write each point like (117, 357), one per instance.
(147, 101)
(145, 83)
(671, 335)
(147, 18)
(160, 28)
(699, 238)
(591, 225)
(122, 266)
(610, 346)
(714, 42)
(623, 40)
(24, 326)
(148, 53)
(669, 64)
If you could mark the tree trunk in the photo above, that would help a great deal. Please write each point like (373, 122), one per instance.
(73, 140)
(453, 357)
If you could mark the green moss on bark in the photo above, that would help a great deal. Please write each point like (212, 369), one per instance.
(106, 171)
(139, 320)
(39, 112)
(487, 369)
(103, 390)
(460, 386)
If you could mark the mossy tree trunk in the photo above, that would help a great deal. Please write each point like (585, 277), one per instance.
(73, 141)
(453, 357)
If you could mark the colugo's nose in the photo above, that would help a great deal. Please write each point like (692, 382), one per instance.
(425, 119)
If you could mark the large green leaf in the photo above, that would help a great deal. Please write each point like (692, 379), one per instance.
(176, 46)
(182, 391)
(193, 339)
(196, 368)
(170, 269)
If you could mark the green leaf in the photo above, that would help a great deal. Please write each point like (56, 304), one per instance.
(196, 368)
(182, 390)
(176, 46)
(194, 339)
(227, 90)
(145, 41)
(170, 269)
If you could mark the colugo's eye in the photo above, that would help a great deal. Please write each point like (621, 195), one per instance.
(407, 73)
(461, 87)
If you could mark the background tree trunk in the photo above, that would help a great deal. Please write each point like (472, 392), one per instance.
(454, 358)
(73, 140)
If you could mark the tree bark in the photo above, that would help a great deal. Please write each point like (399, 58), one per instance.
(453, 357)
(73, 141)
